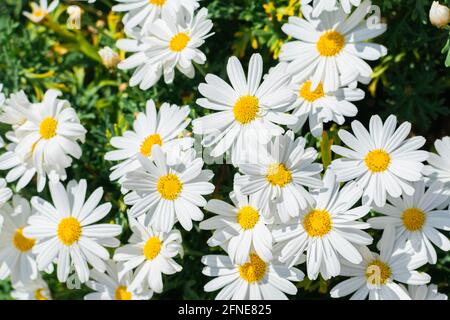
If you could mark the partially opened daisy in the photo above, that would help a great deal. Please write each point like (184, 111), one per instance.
(327, 230)
(16, 257)
(382, 160)
(332, 49)
(318, 6)
(151, 253)
(32, 290)
(378, 275)
(9, 112)
(321, 107)
(240, 228)
(41, 10)
(253, 280)
(416, 219)
(169, 193)
(161, 128)
(425, 292)
(112, 286)
(144, 12)
(249, 112)
(5, 192)
(67, 230)
(282, 171)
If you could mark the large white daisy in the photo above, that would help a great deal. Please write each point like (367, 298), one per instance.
(162, 128)
(152, 253)
(332, 49)
(32, 290)
(250, 112)
(282, 170)
(65, 230)
(169, 192)
(327, 230)
(416, 219)
(382, 161)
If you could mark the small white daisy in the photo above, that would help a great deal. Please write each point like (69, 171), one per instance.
(5, 192)
(169, 193)
(41, 10)
(111, 286)
(282, 171)
(162, 128)
(66, 230)
(250, 112)
(9, 113)
(332, 49)
(326, 230)
(253, 280)
(152, 253)
(425, 292)
(382, 161)
(32, 290)
(416, 219)
(241, 228)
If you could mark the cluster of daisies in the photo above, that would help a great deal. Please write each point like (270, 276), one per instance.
(286, 210)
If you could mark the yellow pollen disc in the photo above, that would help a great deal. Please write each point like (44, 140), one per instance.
(169, 186)
(246, 109)
(413, 219)
(330, 43)
(179, 42)
(69, 230)
(157, 2)
(311, 96)
(38, 294)
(47, 128)
(122, 293)
(21, 242)
(317, 223)
(378, 272)
(148, 143)
(152, 248)
(38, 12)
(247, 217)
(278, 175)
(377, 160)
(254, 270)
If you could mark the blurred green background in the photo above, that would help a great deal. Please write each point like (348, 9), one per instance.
(410, 82)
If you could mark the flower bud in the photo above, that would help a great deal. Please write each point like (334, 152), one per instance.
(110, 58)
(439, 15)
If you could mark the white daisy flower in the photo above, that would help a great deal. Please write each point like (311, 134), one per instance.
(111, 286)
(161, 128)
(318, 6)
(253, 280)
(240, 228)
(66, 230)
(377, 276)
(321, 107)
(143, 12)
(41, 10)
(152, 253)
(169, 193)
(282, 171)
(9, 113)
(16, 257)
(250, 112)
(326, 230)
(416, 219)
(425, 292)
(333, 48)
(32, 290)
(380, 161)
(5, 192)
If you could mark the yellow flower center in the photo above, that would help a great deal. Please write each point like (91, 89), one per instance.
(47, 128)
(378, 272)
(311, 96)
(122, 293)
(179, 42)
(254, 270)
(157, 2)
(39, 294)
(152, 248)
(69, 230)
(330, 43)
(377, 160)
(413, 219)
(278, 175)
(149, 142)
(22, 243)
(317, 223)
(169, 186)
(246, 109)
(38, 12)
(247, 217)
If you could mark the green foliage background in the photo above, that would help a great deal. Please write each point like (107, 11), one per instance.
(411, 82)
